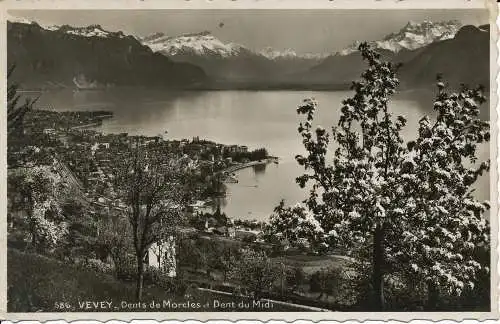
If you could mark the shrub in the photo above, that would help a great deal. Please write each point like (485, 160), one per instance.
(179, 284)
(191, 291)
(157, 277)
(125, 267)
(98, 266)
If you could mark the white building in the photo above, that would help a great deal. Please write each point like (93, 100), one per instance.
(161, 255)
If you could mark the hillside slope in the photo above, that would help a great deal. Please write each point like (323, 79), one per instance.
(44, 57)
(463, 59)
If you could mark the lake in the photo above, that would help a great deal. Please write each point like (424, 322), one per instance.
(253, 118)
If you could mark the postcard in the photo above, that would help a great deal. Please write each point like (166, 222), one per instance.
(326, 160)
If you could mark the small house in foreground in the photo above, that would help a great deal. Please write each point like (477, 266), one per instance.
(161, 255)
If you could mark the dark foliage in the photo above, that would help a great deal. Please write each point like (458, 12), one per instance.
(15, 110)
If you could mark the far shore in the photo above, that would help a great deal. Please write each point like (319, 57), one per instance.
(239, 166)
(236, 86)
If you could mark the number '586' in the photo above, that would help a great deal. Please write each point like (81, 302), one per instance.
(62, 305)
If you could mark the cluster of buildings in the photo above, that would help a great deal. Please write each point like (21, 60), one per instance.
(89, 160)
(51, 122)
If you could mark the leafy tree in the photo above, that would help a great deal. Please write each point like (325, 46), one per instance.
(326, 281)
(114, 239)
(256, 271)
(222, 258)
(155, 190)
(203, 254)
(295, 278)
(226, 263)
(187, 253)
(410, 206)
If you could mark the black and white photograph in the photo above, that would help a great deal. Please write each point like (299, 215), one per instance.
(250, 160)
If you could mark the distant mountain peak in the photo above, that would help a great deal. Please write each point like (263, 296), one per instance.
(21, 20)
(151, 37)
(201, 34)
(289, 53)
(201, 44)
(412, 36)
(206, 44)
(71, 51)
(94, 30)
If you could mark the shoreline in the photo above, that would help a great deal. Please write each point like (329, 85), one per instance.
(97, 123)
(240, 166)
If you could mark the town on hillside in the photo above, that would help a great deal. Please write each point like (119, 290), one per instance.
(319, 161)
(65, 146)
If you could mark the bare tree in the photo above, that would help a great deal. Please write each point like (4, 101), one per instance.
(155, 190)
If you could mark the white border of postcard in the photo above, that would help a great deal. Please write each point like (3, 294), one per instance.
(259, 4)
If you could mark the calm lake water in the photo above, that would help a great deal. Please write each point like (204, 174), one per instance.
(253, 118)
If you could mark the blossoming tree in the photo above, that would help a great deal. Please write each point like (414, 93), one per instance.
(410, 205)
(38, 192)
(444, 222)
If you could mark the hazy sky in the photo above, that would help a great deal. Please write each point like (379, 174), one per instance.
(305, 31)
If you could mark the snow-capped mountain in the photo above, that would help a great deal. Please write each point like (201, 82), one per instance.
(462, 58)
(88, 31)
(48, 56)
(289, 53)
(203, 43)
(412, 36)
(228, 60)
(25, 21)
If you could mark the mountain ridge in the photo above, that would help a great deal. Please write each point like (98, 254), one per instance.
(159, 41)
(461, 59)
(412, 36)
(229, 61)
(44, 57)
(201, 57)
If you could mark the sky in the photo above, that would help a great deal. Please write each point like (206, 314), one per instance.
(305, 31)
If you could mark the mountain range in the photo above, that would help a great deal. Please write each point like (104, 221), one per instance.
(460, 58)
(55, 54)
(229, 61)
(52, 56)
(412, 36)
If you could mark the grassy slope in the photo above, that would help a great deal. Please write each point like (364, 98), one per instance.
(37, 283)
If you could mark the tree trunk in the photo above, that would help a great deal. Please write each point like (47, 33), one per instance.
(378, 264)
(32, 245)
(140, 276)
(432, 296)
